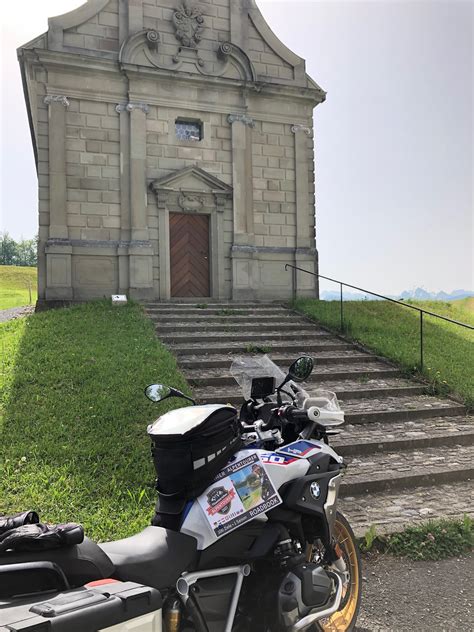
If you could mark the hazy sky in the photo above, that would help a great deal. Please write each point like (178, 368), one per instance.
(394, 140)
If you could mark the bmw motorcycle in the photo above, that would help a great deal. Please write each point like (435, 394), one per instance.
(246, 534)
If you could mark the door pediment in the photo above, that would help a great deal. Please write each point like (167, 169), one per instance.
(192, 190)
(191, 179)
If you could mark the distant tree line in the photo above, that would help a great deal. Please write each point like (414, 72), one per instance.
(18, 253)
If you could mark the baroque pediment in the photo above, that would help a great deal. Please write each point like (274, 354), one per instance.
(147, 49)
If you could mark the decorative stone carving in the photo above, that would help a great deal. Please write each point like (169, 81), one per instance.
(129, 107)
(241, 118)
(189, 23)
(153, 40)
(302, 128)
(190, 202)
(54, 98)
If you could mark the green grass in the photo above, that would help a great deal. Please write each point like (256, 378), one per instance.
(434, 540)
(15, 284)
(394, 332)
(73, 442)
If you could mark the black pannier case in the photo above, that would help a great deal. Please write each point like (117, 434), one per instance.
(187, 463)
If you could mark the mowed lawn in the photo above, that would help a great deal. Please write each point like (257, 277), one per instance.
(73, 441)
(394, 332)
(15, 285)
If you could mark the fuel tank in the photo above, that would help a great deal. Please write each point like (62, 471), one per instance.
(280, 469)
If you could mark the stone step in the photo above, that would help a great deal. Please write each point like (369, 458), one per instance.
(396, 408)
(269, 338)
(234, 348)
(391, 436)
(391, 512)
(343, 388)
(236, 317)
(257, 326)
(219, 305)
(204, 364)
(404, 469)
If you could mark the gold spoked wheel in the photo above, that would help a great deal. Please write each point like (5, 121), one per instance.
(345, 618)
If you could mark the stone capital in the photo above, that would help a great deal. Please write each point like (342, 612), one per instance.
(56, 98)
(302, 128)
(241, 118)
(129, 107)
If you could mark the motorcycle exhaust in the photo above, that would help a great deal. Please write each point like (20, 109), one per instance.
(313, 617)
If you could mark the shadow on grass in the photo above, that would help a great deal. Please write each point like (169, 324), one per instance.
(73, 444)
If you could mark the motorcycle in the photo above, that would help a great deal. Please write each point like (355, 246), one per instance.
(246, 534)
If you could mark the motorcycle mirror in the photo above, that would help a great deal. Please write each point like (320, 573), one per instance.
(159, 392)
(301, 369)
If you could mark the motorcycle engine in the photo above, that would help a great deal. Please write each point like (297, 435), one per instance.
(305, 588)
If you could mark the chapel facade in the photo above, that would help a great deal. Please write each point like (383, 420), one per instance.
(175, 155)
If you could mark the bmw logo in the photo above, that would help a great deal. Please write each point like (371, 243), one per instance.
(315, 490)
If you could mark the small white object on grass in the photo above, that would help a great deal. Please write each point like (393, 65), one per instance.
(119, 299)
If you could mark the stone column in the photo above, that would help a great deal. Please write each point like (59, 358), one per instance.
(305, 254)
(58, 249)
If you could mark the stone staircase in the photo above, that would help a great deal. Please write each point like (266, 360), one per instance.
(410, 455)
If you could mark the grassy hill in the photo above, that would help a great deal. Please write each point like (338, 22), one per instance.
(393, 331)
(73, 416)
(15, 284)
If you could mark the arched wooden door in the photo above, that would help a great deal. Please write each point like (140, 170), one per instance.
(189, 255)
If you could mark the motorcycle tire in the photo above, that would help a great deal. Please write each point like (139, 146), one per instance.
(345, 619)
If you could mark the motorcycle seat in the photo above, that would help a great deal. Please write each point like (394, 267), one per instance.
(155, 557)
(81, 563)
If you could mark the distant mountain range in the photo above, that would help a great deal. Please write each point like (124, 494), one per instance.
(418, 294)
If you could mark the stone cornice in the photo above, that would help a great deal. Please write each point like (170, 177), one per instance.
(70, 62)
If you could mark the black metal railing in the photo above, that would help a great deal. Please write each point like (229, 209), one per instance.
(342, 285)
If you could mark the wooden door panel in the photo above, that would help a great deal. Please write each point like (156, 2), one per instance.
(189, 254)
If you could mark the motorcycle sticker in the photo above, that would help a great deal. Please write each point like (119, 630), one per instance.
(240, 493)
(299, 449)
(277, 459)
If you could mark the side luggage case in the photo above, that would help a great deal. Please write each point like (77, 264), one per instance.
(109, 607)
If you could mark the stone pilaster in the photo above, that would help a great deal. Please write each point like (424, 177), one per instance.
(138, 275)
(57, 106)
(305, 254)
(244, 263)
(58, 249)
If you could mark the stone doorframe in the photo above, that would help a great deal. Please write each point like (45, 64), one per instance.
(175, 195)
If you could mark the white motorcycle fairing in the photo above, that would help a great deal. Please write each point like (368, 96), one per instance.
(284, 465)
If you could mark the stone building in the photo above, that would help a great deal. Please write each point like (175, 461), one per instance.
(174, 146)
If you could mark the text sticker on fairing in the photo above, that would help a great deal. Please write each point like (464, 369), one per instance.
(241, 492)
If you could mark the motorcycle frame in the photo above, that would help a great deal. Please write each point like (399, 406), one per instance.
(185, 582)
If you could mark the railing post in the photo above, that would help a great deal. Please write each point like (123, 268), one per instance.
(421, 342)
(342, 310)
(294, 283)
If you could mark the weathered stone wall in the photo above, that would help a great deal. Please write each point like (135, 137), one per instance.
(110, 166)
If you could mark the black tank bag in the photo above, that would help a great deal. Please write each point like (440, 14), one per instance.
(187, 464)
